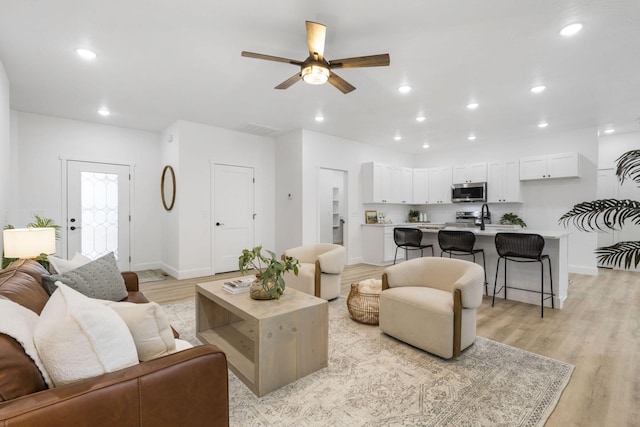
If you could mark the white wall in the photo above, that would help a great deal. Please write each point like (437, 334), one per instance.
(38, 144)
(5, 150)
(288, 191)
(544, 201)
(326, 151)
(199, 147)
(170, 220)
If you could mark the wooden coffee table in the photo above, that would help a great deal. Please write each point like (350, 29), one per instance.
(268, 343)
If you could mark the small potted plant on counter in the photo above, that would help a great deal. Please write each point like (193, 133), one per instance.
(512, 219)
(414, 216)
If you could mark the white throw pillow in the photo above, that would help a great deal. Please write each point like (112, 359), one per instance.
(149, 326)
(78, 337)
(61, 265)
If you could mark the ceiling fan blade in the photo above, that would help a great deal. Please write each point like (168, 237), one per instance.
(289, 82)
(270, 58)
(316, 34)
(361, 61)
(340, 83)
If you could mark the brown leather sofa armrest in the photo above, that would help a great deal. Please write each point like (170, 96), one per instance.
(188, 388)
(130, 281)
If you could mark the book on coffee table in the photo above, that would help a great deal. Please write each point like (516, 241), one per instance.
(238, 286)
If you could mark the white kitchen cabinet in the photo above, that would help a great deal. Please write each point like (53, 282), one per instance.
(503, 182)
(376, 183)
(420, 186)
(378, 246)
(473, 172)
(440, 185)
(386, 184)
(561, 165)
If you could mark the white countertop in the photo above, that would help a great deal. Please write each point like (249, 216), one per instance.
(490, 229)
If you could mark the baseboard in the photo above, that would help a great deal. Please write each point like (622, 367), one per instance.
(355, 260)
(147, 266)
(578, 269)
(190, 274)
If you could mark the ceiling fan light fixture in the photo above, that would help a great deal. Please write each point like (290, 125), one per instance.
(315, 74)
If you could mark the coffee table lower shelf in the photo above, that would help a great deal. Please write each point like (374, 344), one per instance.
(268, 343)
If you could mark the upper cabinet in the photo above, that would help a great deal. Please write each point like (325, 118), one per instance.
(473, 172)
(439, 185)
(503, 182)
(386, 184)
(420, 186)
(562, 165)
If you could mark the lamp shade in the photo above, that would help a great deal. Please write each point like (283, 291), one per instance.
(29, 242)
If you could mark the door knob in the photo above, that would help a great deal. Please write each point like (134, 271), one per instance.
(74, 228)
(218, 224)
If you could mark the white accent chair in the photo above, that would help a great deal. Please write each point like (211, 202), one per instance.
(431, 303)
(320, 268)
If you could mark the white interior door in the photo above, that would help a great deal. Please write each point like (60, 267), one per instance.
(233, 214)
(98, 214)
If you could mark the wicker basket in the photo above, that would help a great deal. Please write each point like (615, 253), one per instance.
(363, 307)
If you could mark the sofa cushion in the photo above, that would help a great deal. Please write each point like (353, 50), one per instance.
(20, 282)
(99, 279)
(149, 326)
(78, 337)
(61, 265)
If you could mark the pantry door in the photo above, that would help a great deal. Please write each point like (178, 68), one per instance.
(98, 215)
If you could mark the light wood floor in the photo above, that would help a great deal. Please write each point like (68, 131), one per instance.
(597, 331)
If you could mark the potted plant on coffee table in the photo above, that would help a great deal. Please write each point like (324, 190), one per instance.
(269, 283)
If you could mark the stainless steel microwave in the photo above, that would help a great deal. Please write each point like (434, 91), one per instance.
(469, 192)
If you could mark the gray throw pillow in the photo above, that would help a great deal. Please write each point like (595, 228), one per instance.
(99, 279)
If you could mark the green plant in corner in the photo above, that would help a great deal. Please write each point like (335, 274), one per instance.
(269, 269)
(612, 214)
(413, 215)
(512, 219)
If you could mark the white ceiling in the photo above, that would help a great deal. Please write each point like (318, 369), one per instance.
(164, 60)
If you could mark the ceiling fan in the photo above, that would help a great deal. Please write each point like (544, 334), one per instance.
(316, 69)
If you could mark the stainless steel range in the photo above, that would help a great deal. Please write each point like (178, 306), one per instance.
(469, 219)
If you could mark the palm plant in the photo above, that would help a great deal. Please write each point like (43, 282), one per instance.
(612, 214)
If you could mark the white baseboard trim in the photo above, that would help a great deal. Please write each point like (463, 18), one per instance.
(578, 269)
(355, 260)
(190, 274)
(147, 266)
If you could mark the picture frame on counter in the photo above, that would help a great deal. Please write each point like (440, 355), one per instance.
(371, 217)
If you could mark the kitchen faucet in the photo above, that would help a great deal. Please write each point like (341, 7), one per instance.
(484, 205)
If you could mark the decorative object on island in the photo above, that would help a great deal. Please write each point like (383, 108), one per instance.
(371, 217)
(612, 214)
(512, 219)
(414, 216)
(34, 242)
(269, 283)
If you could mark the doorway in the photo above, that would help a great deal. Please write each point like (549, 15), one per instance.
(98, 210)
(232, 219)
(332, 204)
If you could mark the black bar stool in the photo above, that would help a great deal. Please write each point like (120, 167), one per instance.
(409, 239)
(456, 243)
(522, 247)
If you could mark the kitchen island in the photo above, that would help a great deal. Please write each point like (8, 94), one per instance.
(521, 275)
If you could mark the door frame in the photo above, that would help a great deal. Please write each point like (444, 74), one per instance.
(212, 213)
(345, 230)
(64, 214)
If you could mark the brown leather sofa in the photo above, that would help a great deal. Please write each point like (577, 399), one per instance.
(188, 388)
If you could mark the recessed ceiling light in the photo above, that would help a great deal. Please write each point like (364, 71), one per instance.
(472, 106)
(318, 118)
(425, 145)
(538, 89)
(471, 138)
(543, 124)
(86, 54)
(571, 30)
(104, 112)
(609, 131)
(404, 89)
(397, 138)
(421, 118)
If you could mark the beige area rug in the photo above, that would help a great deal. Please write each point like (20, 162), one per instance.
(151, 276)
(375, 380)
